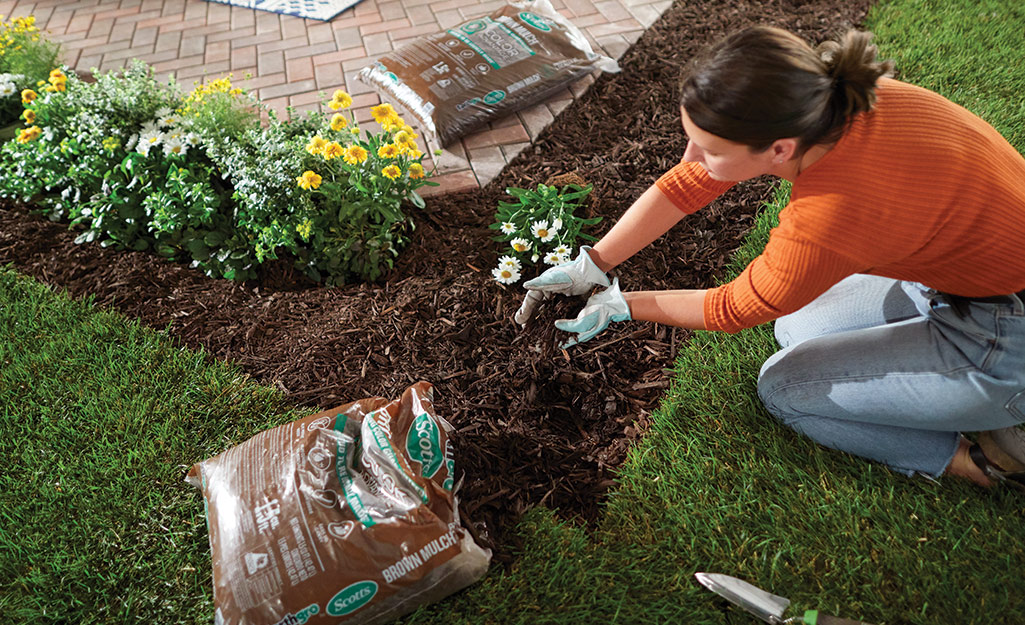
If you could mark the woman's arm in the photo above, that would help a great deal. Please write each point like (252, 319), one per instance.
(648, 218)
(684, 308)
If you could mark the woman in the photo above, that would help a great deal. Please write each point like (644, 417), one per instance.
(895, 276)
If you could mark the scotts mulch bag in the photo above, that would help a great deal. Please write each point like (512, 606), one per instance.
(346, 516)
(455, 81)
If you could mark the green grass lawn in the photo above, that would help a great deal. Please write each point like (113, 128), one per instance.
(101, 419)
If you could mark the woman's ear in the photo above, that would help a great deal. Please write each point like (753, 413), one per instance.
(783, 150)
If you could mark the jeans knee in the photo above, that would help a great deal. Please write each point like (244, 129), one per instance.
(769, 390)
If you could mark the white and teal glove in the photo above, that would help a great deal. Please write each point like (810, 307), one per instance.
(576, 277)
(600, 310)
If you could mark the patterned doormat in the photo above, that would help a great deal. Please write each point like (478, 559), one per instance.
(312, 9)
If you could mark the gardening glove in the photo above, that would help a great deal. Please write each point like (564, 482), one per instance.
(576, 277)
(600, 310)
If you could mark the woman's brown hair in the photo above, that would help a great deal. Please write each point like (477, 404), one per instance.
(762, 84)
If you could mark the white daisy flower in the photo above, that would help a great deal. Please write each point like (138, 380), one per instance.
(168, 120)
(510, 262)
(552, 258)
(534, 258)
(143, 148)
(541, 230)
(557, 224)
(562, 250)
(175, 145)
(131, 142)
(7, 88)
(192, 139)
(150, 127)
(163, 111)
(508, 227)
(152, 138)
(563, 260)
(505, 275)
(520, 245)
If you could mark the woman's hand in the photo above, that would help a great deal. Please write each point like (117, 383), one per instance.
(576, 277)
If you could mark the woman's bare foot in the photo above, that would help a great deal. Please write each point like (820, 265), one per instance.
(963, 466)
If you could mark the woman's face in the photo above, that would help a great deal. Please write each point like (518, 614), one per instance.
(724, 159)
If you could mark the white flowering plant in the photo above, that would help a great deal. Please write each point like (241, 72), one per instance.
(115, 158)
(540, 226)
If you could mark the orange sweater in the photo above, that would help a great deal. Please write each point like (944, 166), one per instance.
(918, 189)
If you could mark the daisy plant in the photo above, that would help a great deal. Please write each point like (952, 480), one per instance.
(359, 180)
(539, 226)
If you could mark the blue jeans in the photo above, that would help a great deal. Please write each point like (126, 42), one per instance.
(891, 371)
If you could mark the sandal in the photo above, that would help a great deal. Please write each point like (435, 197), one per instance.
(1013, 477)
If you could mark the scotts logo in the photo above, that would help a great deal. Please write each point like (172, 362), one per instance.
(494, 97)
(471, 27)
(423, 444)
(352, 598)
(535, 20)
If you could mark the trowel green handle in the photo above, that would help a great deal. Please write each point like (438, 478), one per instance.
(813, 617)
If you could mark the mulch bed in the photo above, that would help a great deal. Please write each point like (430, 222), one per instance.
(536, 425)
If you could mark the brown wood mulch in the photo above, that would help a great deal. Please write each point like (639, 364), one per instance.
(536, 426)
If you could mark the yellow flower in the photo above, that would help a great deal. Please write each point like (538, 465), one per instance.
(414, 153)
(332, 150)
(304, 229)
(382, 112)
(409, 131)
(401, 137)
(29, 134)
(388, 150)
(392, 172)
(111, 143)
(390, 123)
(30, 116)
(340, 100)
(355, 154)
(338, 122)
(416, 171)
(309, 180)
(28, 96)
(354, 130)
(316, 145)
(56, 75)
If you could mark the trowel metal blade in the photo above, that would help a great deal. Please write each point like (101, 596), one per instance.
(764, 605)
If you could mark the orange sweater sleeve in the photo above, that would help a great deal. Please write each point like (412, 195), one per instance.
(790, 273)
(689, 187)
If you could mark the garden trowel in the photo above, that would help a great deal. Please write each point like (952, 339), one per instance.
(764, 605)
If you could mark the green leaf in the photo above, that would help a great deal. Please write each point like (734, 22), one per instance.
(214, 238)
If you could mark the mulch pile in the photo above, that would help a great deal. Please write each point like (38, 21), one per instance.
(536, 425)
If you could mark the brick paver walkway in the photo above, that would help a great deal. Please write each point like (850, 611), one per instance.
(290, 60)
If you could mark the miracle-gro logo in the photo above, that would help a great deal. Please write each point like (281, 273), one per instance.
(352, 598)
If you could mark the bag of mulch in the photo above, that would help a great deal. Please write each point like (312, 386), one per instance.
(346, 516)
(457, 80)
